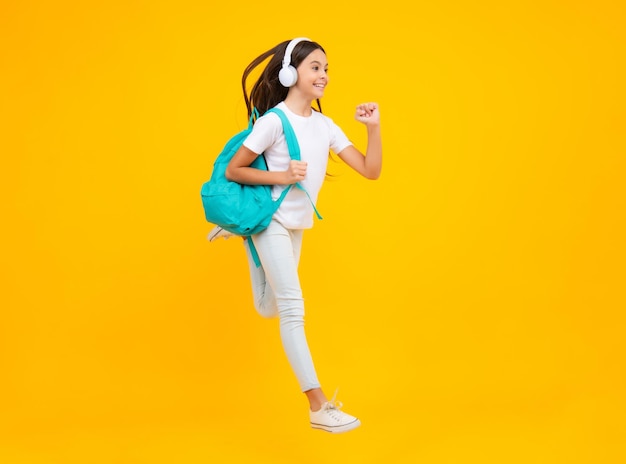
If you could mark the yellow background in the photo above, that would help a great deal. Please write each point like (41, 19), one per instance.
(469, 304)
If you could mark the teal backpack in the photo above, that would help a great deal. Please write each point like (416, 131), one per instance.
(245, 209)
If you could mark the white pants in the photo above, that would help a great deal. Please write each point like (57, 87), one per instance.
(276, 290)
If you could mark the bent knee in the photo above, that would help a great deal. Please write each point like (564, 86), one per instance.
(268, 312)
(294, 311)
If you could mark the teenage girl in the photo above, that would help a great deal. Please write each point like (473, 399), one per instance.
(294, 77)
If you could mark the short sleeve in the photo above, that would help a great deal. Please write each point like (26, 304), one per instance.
(266, 130)
(338, 139)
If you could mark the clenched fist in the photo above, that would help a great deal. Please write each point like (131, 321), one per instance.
(296, 172)
(368, 113)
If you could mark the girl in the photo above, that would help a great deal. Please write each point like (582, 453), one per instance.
(296, 74)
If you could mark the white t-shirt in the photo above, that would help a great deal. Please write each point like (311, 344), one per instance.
(316, 134)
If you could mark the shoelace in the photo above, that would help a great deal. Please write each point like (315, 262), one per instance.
(334, 407)
(333, 401)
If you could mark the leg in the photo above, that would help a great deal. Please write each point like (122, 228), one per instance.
(316, 398)
(279, 251)
(264, 300)
(262, 293)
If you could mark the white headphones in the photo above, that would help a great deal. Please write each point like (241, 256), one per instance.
(288, 76)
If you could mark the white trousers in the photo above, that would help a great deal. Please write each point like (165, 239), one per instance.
(276, 291)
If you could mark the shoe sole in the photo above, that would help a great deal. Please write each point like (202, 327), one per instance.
(215, 234)
(339, 428)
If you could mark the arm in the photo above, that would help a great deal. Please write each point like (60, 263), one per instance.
(370, 164)
(239, 170)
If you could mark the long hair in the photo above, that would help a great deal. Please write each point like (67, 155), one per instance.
(267, 91)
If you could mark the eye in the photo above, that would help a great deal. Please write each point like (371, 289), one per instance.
(316, 68)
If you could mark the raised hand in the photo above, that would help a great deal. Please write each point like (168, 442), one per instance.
(368, 113)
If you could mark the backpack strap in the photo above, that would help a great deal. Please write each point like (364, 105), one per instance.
(294, 152)
(290, 135)
(254, 115)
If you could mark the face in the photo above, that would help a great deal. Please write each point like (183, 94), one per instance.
(313, 74)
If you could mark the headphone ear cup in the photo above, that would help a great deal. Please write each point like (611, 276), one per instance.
(288, 76)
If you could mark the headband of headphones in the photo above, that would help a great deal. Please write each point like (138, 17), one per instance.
(290, 47)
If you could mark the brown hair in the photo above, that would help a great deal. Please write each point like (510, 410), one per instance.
(267, 91)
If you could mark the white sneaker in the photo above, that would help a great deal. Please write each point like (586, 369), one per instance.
(331, 419)
(218, 232)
